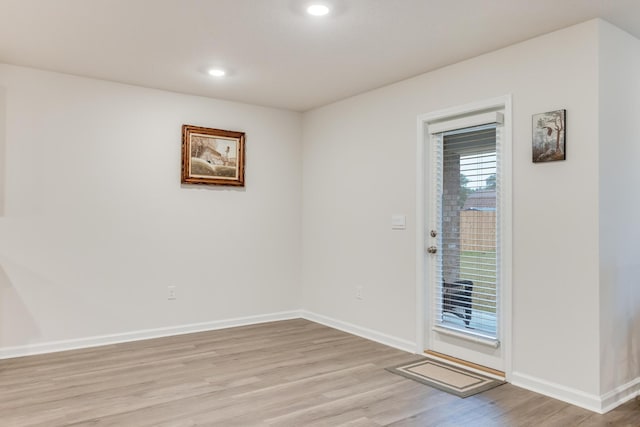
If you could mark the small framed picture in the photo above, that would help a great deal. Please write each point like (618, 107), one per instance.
(212, 156)
(549, 136)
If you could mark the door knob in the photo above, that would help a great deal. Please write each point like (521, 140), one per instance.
(432, 249)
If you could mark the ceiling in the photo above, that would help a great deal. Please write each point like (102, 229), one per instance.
(274, 53)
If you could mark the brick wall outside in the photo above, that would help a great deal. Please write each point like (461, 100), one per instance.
(451, 217)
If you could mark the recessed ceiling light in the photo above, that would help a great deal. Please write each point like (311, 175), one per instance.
(318, 10)
(217, 72)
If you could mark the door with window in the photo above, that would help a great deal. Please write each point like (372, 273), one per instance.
(464, 238)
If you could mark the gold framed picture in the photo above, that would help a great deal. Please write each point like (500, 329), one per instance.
(212, 156)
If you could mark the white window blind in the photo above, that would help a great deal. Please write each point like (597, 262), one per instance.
(467, 216)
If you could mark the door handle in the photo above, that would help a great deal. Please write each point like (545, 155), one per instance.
(432, 249)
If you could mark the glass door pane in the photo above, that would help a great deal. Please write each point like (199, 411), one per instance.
(466, 266)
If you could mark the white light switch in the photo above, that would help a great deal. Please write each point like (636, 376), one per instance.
(398, 222)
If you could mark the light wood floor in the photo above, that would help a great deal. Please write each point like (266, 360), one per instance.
(290, 373)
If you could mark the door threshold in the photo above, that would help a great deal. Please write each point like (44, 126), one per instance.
(494, 373)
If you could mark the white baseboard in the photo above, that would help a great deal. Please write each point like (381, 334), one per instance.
(55, 346)
(74, 344)
(370, 334)
(588, 401)
(599, 404)
(620, 395)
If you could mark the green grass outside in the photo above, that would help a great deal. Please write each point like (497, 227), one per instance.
(480, 268)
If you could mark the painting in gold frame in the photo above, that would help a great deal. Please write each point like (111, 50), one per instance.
(212, 156)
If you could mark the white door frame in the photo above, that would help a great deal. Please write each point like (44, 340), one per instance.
(505, 207)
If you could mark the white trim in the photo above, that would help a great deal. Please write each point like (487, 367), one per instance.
(80, 343)
(603, 404)
(370, 334)
(588, 401)
(619, 395)
(96, 341)
(600, 404)
(506, 222)
(504, 103)
(421, 237)
(469, 336)
(479, 106)
(466, 122)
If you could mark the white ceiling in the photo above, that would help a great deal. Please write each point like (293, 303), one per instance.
(277, 56)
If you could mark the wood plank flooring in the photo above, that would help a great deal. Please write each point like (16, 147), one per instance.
(289, 373)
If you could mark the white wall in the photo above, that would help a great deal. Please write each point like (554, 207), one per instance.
(359, 168)
(3, 167)
(619, 207)
(97, 225)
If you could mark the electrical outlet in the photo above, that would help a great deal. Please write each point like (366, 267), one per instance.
(359, 292)
(171, 292)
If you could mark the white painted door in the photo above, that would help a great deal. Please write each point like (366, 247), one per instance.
(464, 236)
